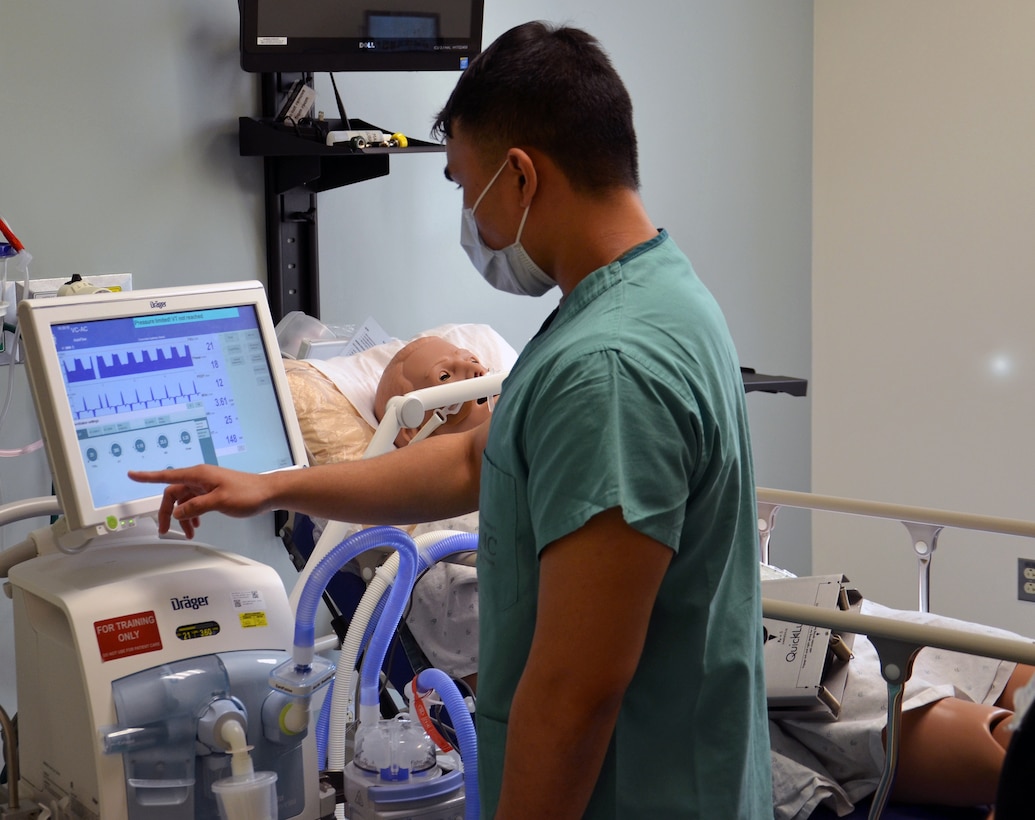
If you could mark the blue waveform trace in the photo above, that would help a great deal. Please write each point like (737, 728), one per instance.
(107, 405)
(171, 360)
(80, 371)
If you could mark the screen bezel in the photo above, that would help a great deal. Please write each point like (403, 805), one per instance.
(36, 317)
(318, 54)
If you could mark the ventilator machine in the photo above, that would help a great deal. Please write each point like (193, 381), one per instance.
(159, 678)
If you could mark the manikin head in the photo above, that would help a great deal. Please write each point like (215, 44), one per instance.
(426, 362)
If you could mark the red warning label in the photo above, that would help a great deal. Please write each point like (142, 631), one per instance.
(127, 635)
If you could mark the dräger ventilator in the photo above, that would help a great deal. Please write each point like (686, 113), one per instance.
(163, 679)
(143, 663)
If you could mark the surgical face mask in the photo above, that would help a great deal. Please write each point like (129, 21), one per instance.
(510, 269)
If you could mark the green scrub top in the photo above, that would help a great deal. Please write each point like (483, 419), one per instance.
(631, 396)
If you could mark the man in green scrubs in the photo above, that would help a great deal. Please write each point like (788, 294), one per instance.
(620, 671)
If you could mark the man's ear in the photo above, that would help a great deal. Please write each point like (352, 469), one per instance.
(528, 179)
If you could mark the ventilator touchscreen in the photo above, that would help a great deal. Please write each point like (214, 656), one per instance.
(145, 381)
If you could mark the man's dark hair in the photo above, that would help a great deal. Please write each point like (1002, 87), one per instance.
(553, 89)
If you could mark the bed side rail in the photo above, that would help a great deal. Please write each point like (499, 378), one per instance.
(922, 523)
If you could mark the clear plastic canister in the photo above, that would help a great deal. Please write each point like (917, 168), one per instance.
(247, 796)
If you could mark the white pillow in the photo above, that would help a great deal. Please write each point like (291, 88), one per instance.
(357, 376)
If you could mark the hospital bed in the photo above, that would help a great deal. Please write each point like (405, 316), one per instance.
(897, 641)
(334, 401)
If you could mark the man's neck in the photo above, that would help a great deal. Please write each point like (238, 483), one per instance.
(605, 230)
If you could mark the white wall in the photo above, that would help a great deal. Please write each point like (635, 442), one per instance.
(118, 152)
(923, 355)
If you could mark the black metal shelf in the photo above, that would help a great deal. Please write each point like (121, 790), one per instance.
(304, 160)
(298, 165)
(761, 383)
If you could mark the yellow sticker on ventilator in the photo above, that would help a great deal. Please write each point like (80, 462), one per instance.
(250, 619)
(250, 607)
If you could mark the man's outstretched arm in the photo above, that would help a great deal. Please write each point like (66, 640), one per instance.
(433, 479)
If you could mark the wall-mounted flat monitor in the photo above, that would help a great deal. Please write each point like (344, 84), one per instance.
(151, 379)
(359, 35)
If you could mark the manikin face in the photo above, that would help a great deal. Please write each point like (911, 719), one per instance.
(427, 362)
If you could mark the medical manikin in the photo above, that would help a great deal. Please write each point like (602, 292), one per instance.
(443, 615)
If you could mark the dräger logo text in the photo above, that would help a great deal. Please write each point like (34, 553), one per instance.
(158, 303)
(188, 602)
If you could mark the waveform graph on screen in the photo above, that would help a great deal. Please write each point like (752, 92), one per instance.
(126, 381)
(139, 406)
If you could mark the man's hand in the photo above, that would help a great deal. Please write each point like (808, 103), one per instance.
(193, 491)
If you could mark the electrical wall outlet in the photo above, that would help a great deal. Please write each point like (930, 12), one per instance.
(1026, 579)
